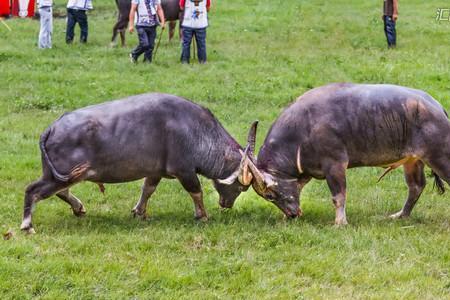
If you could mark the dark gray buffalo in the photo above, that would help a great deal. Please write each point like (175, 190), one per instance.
(339, 126)
(149, 136)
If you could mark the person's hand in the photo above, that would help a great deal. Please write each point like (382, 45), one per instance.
(131, 28)
(395, 17)
(163, 24)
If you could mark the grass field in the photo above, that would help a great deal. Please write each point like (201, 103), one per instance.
(262, 55)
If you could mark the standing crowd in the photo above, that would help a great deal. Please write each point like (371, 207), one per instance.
(147, 15)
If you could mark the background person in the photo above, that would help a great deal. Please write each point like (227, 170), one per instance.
(390, 16)
(46, 20)
(146, 24)
(76, 13)
(195, 22)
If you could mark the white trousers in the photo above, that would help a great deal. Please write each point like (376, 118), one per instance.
(45, 34)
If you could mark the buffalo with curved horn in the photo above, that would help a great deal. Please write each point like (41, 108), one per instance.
(151, 136)
(339, 126)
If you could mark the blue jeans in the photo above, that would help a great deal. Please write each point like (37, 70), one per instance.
(146, 36)
(200, 38)
(75, 16)
(389, 30)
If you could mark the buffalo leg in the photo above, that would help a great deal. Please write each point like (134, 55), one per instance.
(415, 179)
(122, 37)
(192, 185)
(36, 191)
(301, 184)
(114, 35)
(441, 166)
(172, 25)
(149, 186)
(77, 207)
(337, 183)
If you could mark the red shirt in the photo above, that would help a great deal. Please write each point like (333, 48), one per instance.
(208, 4)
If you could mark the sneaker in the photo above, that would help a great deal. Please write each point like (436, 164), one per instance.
(133, 59)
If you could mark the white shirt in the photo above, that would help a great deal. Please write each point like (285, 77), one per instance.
(80, 4)
(45, 3)
(195, 16)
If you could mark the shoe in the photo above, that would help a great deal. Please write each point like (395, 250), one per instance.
(185, 62)
(132, 59)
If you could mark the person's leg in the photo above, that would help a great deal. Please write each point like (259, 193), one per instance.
(186, 45)
(70, 25)
(49, 28)
(394, 34)
(389, 30)
(42, 42)
(83, 22)
(200, 38)
(142, 46)
(151, 35)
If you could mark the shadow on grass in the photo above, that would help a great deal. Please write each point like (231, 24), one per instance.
(258, 218)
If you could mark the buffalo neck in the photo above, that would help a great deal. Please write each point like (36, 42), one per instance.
(278, 161)
(219, 154)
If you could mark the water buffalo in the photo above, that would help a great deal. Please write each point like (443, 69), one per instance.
(339, 126)
(171, 10)
(124, 7)
(149, 136)
(172, 13)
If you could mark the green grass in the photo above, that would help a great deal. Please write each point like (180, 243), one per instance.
(262, 55)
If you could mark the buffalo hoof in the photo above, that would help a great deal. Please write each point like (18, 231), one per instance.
(340, 223)
(28, 230)
(202, 218)
(399, 215)
(139, 214)
(81, 212)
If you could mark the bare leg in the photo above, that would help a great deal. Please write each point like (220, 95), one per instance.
(191, 183)
(415, 179)
(36, 191)
(337, 183)
(77, 207)
(149, 186)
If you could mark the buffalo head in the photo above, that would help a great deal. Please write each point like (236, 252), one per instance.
(283, 192)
